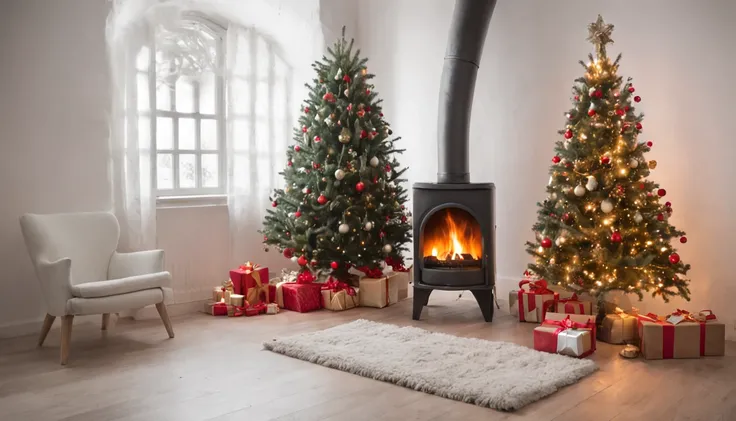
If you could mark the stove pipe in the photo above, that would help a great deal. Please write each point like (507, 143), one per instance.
(464, 48)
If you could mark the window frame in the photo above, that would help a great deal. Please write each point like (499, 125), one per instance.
(218, 32)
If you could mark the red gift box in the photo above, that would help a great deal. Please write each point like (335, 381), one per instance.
(252, 282)
(218, 309)
(302, 297)
(562, 333)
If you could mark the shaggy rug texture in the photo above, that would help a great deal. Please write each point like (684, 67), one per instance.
(498, 375)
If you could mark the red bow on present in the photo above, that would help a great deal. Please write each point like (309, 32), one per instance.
(249, 267)
(305, 277)
(371, 272)
(396, 264)
(574, 297)
(537, 287)
(336, 286)
(566, 324)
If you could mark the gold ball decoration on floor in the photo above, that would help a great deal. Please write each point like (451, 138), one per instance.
(630, 351)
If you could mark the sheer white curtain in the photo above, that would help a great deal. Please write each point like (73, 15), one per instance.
(270, 45)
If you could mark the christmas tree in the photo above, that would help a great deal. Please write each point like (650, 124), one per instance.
(343, 202)
(604, 225)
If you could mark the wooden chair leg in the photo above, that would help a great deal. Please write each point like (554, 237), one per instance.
(105, 321)
(66, 337)
(161, 307)
(47, 323)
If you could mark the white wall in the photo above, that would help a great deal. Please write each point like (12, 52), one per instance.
(680, 54)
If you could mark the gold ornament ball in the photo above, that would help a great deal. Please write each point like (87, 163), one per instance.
(630, 351)
(344, 135)
(332, 116)
(652, 164)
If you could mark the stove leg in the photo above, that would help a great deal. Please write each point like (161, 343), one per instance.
(421, 299)
(485, 302)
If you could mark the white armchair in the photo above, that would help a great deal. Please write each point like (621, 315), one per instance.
(81, 272)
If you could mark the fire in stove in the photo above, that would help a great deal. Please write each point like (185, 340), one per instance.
(452, 239)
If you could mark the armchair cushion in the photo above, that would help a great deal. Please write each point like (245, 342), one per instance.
(115, 303)
(121, 286)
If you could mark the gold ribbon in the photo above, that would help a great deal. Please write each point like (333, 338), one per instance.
(254, 293)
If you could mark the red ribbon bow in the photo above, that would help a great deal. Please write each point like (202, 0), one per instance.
(538, 287)
(305, 277)
(574, 297)
(396, 264)
(566, 324)
(337, 286)
(249, 267)
(371, 272)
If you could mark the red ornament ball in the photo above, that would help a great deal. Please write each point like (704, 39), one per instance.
(591, 113)
(329, 97)
(306, 110)
(334, 265)
(367, 108)
(556, 159)
(546, 242)
(317, 139)
(605, 159)
(315, 165)
(288, 253)
(616, 237)
(363, 134)
(637, 98)
(620, 112)
(297, 148)
(307, 191)
(627, 108)
(302, 261)
(298, 214)
(360, 186)
(388, 168)
(577, 98)
(403, 218)
(674, 258)
(274, 203)
(661, 192)
(346, 78)
(321, 199)
(367, 91)
(668, 204)
(683, 240)
(566, 217)
(304, 129)
(568, 134)
(289, 163)
(638, 126)
(660, 217)
(631, 89)
(642, 186)
(380, 114)
(313, 262)
(598, 94)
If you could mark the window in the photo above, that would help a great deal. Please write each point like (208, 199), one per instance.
(182, 116)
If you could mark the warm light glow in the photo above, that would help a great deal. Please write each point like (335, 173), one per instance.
(450, 233)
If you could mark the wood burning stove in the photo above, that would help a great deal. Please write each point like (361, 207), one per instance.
(454, 229)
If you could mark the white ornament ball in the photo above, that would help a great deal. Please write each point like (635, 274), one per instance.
(592, 183)
(305, 190)
(294, 259)
(606, 206)
(343, 228)
(560, 241)
(368, 226)
(633, 163)
(638, 218)
(339, 174)
(579, 191)
(374, 162)
(387, 248)
(591, 91)
(553, 196)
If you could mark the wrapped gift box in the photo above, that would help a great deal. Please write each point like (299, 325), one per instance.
(618, 328)
(384, 291)
(301, 297)
(566, 334)
(252, 282)
(689, 338)
(216, 308)
(571, 305)
(339, 296)
(534, 300)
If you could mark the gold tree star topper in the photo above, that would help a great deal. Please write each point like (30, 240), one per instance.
(599, 33)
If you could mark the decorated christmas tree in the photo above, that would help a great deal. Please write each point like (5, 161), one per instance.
(604, 225)
(342, 205)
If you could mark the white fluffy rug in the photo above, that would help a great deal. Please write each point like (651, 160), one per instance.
(498, 375)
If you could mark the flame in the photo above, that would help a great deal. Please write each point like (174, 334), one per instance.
(450, 233)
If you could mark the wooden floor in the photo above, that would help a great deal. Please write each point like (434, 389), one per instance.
(215, 369)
